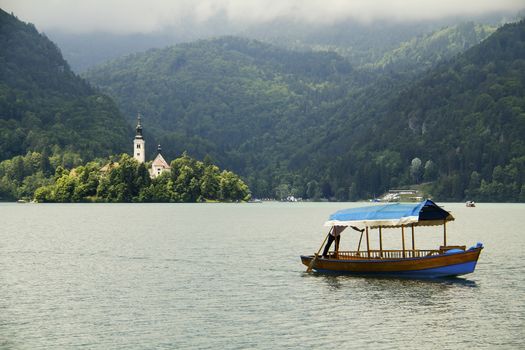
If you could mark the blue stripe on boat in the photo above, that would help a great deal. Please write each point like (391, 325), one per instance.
(437, 272)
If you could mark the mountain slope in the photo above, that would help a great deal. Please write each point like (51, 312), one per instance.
(464, 121)
(361, 43)
(221, 95)
(311, 125)
(44, 106)
(423, 52)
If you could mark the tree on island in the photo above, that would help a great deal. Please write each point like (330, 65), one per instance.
(128, 181)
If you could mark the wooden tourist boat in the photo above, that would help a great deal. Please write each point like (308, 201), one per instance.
(446, 261)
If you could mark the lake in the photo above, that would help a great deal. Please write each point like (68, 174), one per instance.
(228, 276)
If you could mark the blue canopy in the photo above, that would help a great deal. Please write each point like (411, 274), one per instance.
(391, 215)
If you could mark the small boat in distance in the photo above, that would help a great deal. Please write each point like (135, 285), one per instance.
(445, 261)
(470, 204)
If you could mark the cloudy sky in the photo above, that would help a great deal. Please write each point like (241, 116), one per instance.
(128, 16)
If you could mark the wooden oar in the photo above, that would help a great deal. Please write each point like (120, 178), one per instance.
(311, 266)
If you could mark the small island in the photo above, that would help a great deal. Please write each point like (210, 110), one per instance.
(128, 179)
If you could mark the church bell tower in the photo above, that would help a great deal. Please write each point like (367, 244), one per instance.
(139, 151)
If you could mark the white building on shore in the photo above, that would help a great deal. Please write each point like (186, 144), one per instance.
(159, 164)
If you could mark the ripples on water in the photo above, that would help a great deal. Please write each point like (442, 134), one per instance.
(229, 277)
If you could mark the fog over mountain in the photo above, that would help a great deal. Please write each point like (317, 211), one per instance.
(124, 17)
(93, 32)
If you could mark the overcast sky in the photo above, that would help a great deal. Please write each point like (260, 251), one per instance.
(128, 16)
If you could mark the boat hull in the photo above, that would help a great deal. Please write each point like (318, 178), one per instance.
(436, 266)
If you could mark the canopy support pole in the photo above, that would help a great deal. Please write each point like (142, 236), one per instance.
(403, 239)
(413, 243)
(445, 232)
(367, 243)
(380, 243)
(359, 245)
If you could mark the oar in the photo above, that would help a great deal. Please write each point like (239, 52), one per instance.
(310, 267)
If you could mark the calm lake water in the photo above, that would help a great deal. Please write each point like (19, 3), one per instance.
(228, 276)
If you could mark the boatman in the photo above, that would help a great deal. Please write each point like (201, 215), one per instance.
(335, 235)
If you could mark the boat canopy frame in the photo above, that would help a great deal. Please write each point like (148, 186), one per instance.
(392, 215)
(426, 213)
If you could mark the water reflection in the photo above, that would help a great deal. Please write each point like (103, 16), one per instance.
(333, 282)
(389, 283)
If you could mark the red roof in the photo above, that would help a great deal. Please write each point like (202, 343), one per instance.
(160, 162)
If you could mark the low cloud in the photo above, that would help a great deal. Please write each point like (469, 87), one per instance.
(124, 16)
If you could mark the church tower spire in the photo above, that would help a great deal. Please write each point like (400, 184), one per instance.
(139, 150)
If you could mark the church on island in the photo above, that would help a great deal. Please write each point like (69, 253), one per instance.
(159, 164)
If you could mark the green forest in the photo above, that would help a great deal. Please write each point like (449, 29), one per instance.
(443, 112)
(57, 129)
(458, 128)
(311, 125)
(45, 107)
(128, 181)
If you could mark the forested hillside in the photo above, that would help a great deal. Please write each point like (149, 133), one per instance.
(459, 127)
(470, 114)
(424, 51)
(44, 106)
(49, 117)
(311, 125)
(303, 123)
(361, 43)
(238, 100)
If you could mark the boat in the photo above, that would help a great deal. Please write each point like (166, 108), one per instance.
(445, 261)
(470, 204)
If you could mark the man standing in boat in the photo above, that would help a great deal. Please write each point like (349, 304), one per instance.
(335, 235)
